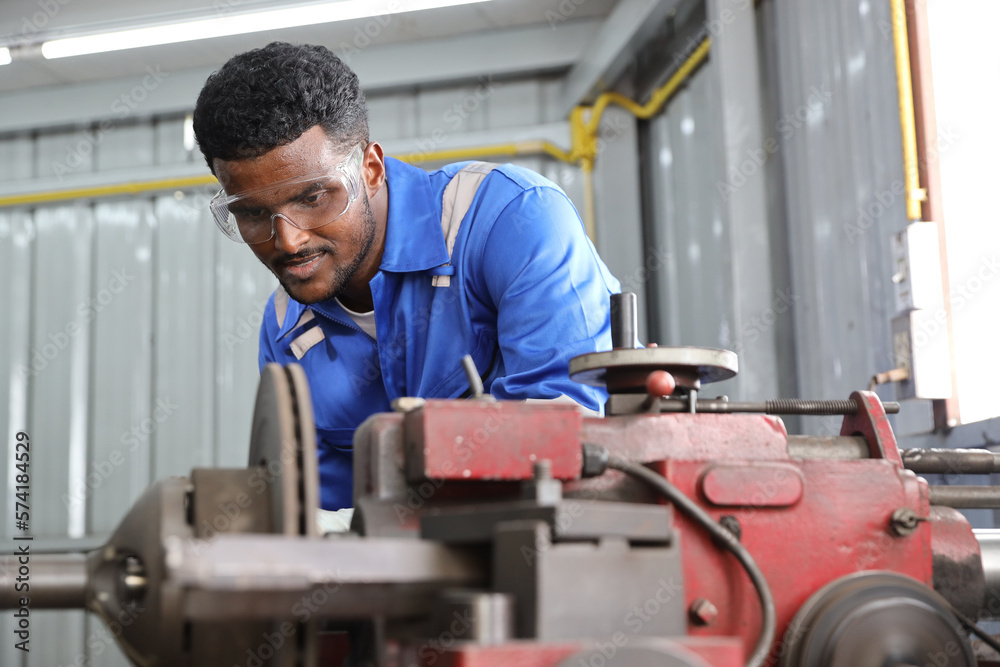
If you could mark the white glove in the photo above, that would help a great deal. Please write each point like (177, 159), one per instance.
(338, 521)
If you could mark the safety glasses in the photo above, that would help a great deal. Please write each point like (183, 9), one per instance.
(307, 202)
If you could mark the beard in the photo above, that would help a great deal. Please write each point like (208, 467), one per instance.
(363, 238)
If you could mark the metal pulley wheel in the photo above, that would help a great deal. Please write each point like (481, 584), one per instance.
(625, 370)
(873, 619)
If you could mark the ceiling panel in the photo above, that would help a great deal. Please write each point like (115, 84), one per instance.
(22, 20)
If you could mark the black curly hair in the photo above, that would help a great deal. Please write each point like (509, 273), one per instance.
(268, 97)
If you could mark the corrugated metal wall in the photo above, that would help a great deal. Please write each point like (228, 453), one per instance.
(839, 109)
(128, 346)
(721, 282)
(129, 355)
(828, 76)
(693, 292)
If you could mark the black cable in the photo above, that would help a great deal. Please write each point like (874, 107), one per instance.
(726, 538)
(971, 626)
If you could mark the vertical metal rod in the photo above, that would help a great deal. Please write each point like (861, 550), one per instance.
(472, 373)
(624, 321)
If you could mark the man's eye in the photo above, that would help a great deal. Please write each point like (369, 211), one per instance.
(313, 198)
(251, 214)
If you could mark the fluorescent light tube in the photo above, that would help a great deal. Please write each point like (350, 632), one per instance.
(237, 24)
(4, 56)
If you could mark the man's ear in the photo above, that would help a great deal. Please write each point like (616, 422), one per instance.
(373, 168)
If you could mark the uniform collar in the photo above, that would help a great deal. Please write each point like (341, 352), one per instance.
(296, 310)
(413, 237)
(292, 315)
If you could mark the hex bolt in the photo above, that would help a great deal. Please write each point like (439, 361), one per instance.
(703, 612)
(595, 460)
(732, 524)
(541, 487)
(904, 522)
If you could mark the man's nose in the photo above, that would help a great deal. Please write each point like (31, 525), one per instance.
(287, 237)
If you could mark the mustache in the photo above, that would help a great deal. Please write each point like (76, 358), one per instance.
(284, 260)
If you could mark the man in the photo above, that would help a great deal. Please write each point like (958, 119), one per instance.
(375, 302)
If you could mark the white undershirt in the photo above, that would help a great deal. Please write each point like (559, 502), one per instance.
(364, 320)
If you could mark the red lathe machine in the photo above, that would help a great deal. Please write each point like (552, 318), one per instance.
(674, 531)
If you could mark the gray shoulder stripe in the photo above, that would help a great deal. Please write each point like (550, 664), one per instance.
(306, 341)
(280, 304)
(455, 203)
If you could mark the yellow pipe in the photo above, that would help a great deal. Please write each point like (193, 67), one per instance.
(589, 212)
(585, 131)
(911, 167)
(556, 152)
(584, 149)
(534, 147)
(659, 96)
(133, 188)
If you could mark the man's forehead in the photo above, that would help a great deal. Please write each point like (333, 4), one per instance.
(313, 154)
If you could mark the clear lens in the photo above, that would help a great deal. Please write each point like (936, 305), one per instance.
(307, 202)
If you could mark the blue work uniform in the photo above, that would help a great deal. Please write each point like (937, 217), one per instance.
(527, 293)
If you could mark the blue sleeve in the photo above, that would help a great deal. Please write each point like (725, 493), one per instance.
(551, 293)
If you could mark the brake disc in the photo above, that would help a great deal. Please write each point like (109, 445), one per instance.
(283, 449)
(283, 446)
(129, 572)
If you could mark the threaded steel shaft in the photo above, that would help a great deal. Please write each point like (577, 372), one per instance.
(800, 406)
